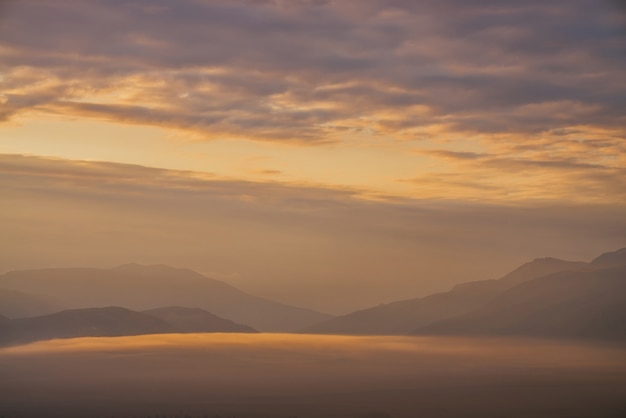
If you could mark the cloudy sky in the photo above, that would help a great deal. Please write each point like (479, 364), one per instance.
(328, 153)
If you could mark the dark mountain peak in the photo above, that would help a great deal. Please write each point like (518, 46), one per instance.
(196, 320)
(113, 321)
(110, 321)
(611, 259)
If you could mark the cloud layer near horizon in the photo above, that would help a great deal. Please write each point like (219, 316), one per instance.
(324, 248)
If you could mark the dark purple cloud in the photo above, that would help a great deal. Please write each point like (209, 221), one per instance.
(477, 65)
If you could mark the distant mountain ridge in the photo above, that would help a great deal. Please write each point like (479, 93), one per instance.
(611, 259)
(141, 288)
(196, 320)
(546, 297)
(585, 304)
(404, 316)
(113, 321)
(91, 322)
(417, 315)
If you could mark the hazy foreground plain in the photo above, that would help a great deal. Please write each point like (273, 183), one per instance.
(281, 375)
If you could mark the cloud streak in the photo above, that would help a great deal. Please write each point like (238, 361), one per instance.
(319, 247)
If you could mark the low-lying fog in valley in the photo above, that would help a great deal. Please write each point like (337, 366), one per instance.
(287, 375)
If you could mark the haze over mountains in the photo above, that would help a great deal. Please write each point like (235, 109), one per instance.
(586, 304)
(546, 297)
(402, 317)
(142, 288)
(16, 304)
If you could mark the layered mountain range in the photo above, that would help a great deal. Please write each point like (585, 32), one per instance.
(113, 322)
(138, 287)
(585, 304)
(546, 298)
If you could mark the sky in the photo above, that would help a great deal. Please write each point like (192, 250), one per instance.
(333, 154)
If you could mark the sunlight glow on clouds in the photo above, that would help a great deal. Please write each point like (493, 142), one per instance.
(539, 85)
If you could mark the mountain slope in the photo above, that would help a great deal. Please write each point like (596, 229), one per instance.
(15, 304)
(112, 321)
(141, 288)
(92, 322)
(612, 259)
(404, 316)
(583, 304)
(196, 320)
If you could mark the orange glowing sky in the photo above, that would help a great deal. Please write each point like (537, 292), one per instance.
(300, 148)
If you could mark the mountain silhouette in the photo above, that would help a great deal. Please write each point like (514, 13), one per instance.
(586, 304)
(196, 320)
(612, 259)
(403, 317)
(113, 321)
(91, 322)
(141, 288)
